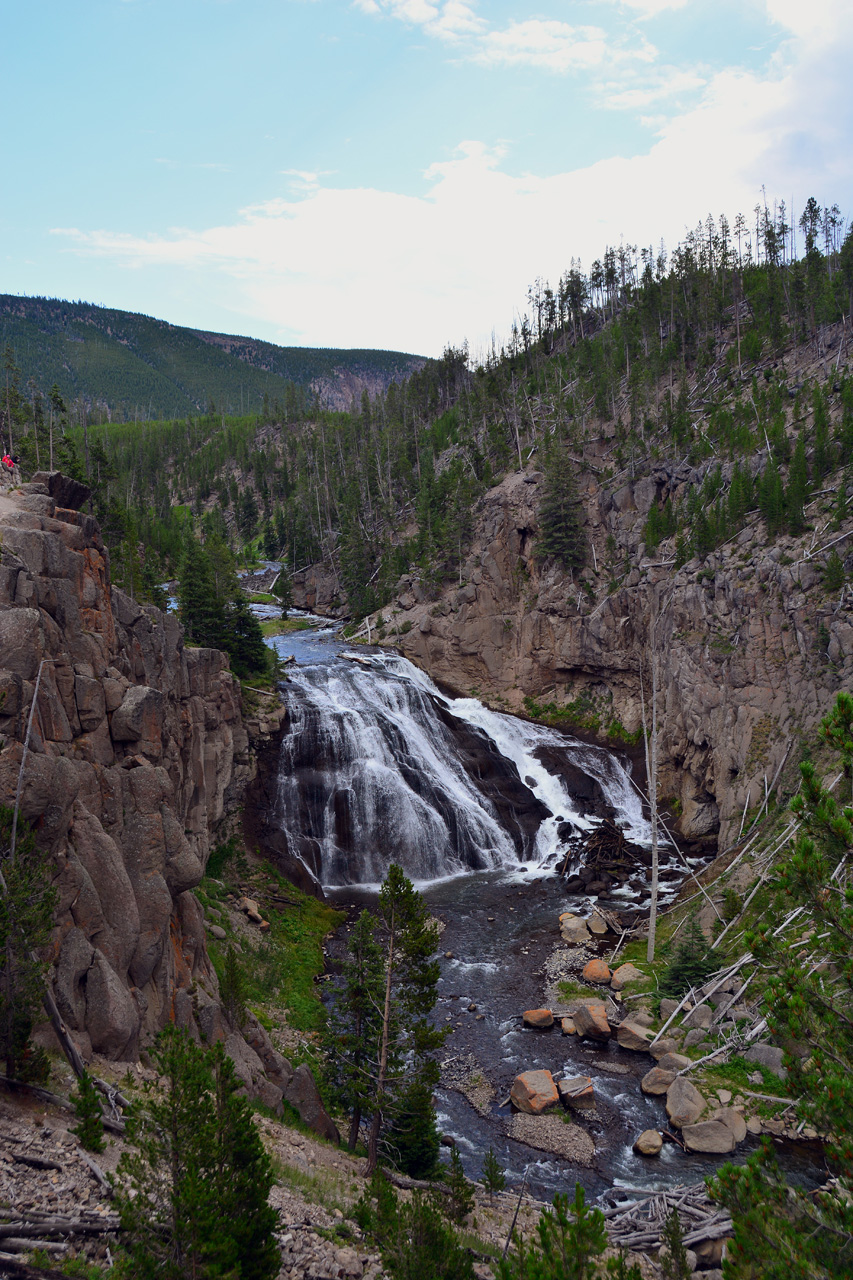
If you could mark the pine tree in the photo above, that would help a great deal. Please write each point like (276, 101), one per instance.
(192, 1189)
(562, 534)
(27, 901)
(232, 989)
(354, 1024)
(201, 610)
(493, 1178)
(781, 1232)
(460, 1190)
(87, 1108)
(797, 493)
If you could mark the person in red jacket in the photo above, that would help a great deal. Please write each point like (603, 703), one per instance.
(7, 462)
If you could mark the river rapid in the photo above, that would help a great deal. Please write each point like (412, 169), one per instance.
(379, 765)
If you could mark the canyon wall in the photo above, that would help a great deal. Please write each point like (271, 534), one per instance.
(750, 649)
(136, 754)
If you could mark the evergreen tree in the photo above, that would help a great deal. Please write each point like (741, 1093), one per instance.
(87, 1108)
(570, 1241)
(243, 638)
(460, 1191)
(797, 494)
(232, 989)
(562, 534)
(354, 1024)
(781, 1231)
(494, 1178)
(192, 1190)
(27, 900)
(201, 610)
(409, 996)
(415, 1240)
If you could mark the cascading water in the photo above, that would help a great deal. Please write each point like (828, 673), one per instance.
(377, 765)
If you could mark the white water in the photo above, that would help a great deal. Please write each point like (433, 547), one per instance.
(372, 773)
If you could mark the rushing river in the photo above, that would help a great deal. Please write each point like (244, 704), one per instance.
(479, 808)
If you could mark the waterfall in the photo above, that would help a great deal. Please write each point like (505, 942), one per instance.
(377, 765)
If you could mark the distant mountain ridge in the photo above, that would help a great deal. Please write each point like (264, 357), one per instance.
(133, 365)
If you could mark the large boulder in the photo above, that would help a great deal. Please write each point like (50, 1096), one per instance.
(656, 1081)
(577, 1092)
(631, 1035)
(112, 1019)
(674, 1061)
(710, 1136)
(534, 1092)
(591, 1021)
(302, 1093)
(733, 1120)
(649, 1143)
(573, 929)
(596, 971)
(539, 1018)
(767, 1055)
(666, 1044)
(684, 1102)
(700, 1017)
(624, 974)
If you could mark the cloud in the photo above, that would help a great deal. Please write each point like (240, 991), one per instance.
(664, 83)
(446, 19)
(361, 266)
(540, 43)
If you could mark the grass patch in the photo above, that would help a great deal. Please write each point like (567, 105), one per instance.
(283, 966)
(735, 1073)
(578, 990)
(284, 626)
(323, 1187)
(262, 597)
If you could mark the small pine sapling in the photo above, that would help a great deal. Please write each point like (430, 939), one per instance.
(493, 1178)
(675, 1264)
(460, 1200)
(87, 1108)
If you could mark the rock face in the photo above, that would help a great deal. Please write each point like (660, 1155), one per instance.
(533, 1092)
(137, 751)
(737, 646)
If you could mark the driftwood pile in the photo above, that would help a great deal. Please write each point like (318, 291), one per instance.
(22, 1230)
(638, 1224)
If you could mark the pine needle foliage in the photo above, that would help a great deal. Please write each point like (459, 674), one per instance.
(571, 1236)
(494, 1178)
(460, 1191)
(562, 536)
(193, 1189)
(87, 1108)
(414, 1237)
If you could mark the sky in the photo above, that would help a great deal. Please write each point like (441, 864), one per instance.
(396, 173)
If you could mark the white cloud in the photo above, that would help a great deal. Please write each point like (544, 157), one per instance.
(664, 83)
(446, 19)
(540, 43)
(368, 267)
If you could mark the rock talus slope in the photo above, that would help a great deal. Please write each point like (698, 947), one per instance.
(136, 753)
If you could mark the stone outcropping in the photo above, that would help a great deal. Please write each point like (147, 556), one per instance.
(750, 647)
(137, 753)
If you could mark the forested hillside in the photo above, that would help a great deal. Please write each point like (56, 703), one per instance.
(729, 355)
(122, 366)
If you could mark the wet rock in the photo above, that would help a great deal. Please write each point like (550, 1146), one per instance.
(684, 1102)
(596, 971)
(631, 1035)
(541, 1018)
(649, 1143)
(624, 974)
(710, 1136)
(533, 1092)
(591, 1021)
(577, 1092)
(657, 1081)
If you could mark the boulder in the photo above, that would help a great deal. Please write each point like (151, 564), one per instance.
(767, 1055)
(596, 925)
(302, 1094)
(596, 971)
(631, 1035)
(112, 1019)
(568, 1026)
(674, 1061)
(684, 1102)
(710, 1136)
(649, 1143)
(533, 1092)
(542, 1018)
(732, 1120)
(668, 1007)
(624, 974)
(695, 1036)
(573, 929)
(643, 1018)
(665, 1045)
(577, 1092)
(591, 1021)
(656, 1081)
(699, 1017)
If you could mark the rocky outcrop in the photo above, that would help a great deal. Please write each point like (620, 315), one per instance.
(137, 753)
(750, 648)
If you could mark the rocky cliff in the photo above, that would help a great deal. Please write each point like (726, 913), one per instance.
(137, 751)
(749, 646)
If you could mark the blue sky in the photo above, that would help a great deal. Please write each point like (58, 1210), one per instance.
(395, 172)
